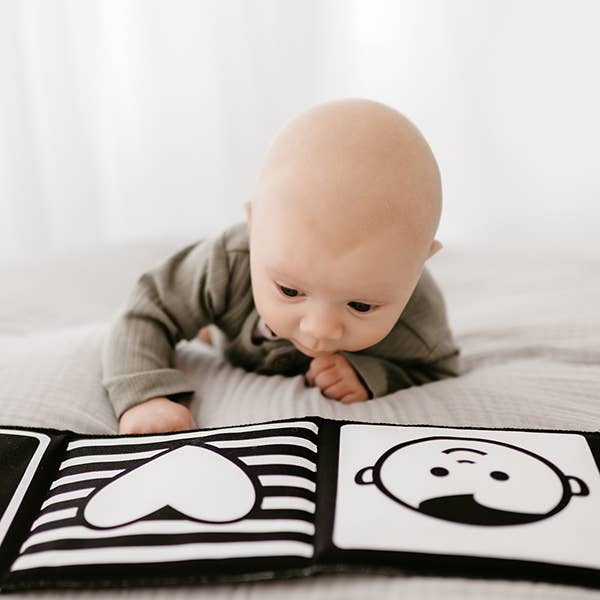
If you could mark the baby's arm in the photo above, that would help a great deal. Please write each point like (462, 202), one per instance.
(360, 377)
(168, 304)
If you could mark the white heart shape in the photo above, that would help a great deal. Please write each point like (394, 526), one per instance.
(196, 481)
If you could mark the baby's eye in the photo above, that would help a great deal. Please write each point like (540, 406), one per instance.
(288, 291)
(360, 306)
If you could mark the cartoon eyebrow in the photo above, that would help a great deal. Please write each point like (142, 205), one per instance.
(465, 450)
(471, 462)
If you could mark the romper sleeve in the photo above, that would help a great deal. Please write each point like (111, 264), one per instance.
(168, 303)
(383, 376)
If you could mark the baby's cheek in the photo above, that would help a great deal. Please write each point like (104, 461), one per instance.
(276, 318)
(374, 331)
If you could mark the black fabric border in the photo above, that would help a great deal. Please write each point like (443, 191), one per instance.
(330, 557)
(29, 509)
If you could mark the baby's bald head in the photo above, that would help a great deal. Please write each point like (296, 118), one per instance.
(345, 210)
(346, 171)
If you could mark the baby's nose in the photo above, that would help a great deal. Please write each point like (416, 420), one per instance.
(321, 326)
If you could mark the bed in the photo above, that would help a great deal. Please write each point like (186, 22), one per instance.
(527, 319)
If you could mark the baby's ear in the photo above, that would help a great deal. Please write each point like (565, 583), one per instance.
(436, 246)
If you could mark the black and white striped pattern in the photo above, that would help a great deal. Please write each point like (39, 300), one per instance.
(282, 456)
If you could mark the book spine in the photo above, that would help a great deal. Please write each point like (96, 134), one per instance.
(327, 476)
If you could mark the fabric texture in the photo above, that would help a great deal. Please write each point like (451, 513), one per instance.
(526, 320)
(208, 283)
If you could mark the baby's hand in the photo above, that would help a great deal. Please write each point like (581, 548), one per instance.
(157, 415)
(336, 378)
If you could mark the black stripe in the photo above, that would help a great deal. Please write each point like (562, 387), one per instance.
(67, 522)
(277, 491)
(111, 466)
(285, 449)
(80, 485)
(286, 490)
(285, 513)
(168, 539)
(73, 503)
(256, 470)
(264, 491)
(280, 469)
(258, 514)
(298, 432)
(121, 449)
(276, 449)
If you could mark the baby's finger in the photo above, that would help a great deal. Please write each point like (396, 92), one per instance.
(356, 396)
(328, 378)
(322, 362)
(337, 391)
(318, 365)
(309, 378)
(311, 374)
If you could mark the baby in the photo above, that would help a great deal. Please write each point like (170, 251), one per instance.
(326, 279)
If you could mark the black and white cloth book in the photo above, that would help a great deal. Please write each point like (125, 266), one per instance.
(297, 497)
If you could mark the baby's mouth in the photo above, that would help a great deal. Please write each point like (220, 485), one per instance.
(308, 352)
(463, 508)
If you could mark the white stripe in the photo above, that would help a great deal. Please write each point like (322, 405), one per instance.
(167, 553)
(65, 513)
(94, 458)
(288, 502)
(171, 527)
(68, 496)
(287, 480)
(122, 440)
(295, 441)
(279, 459)
(85, 476)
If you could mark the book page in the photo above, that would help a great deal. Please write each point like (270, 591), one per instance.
(21, 453)
(225, 493)
(503, 494)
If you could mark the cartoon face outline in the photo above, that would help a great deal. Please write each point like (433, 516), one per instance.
(481, 493)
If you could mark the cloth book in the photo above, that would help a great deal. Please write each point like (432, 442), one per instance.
(297, 497)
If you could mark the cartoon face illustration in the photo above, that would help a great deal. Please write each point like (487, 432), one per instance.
(473, 481)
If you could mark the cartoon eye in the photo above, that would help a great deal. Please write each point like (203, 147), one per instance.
(439, 471)
(499, 475)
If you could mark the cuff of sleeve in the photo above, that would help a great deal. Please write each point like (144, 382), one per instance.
(371, 371)
(126, 391)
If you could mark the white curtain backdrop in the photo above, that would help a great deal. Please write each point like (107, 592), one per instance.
(129, 119)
